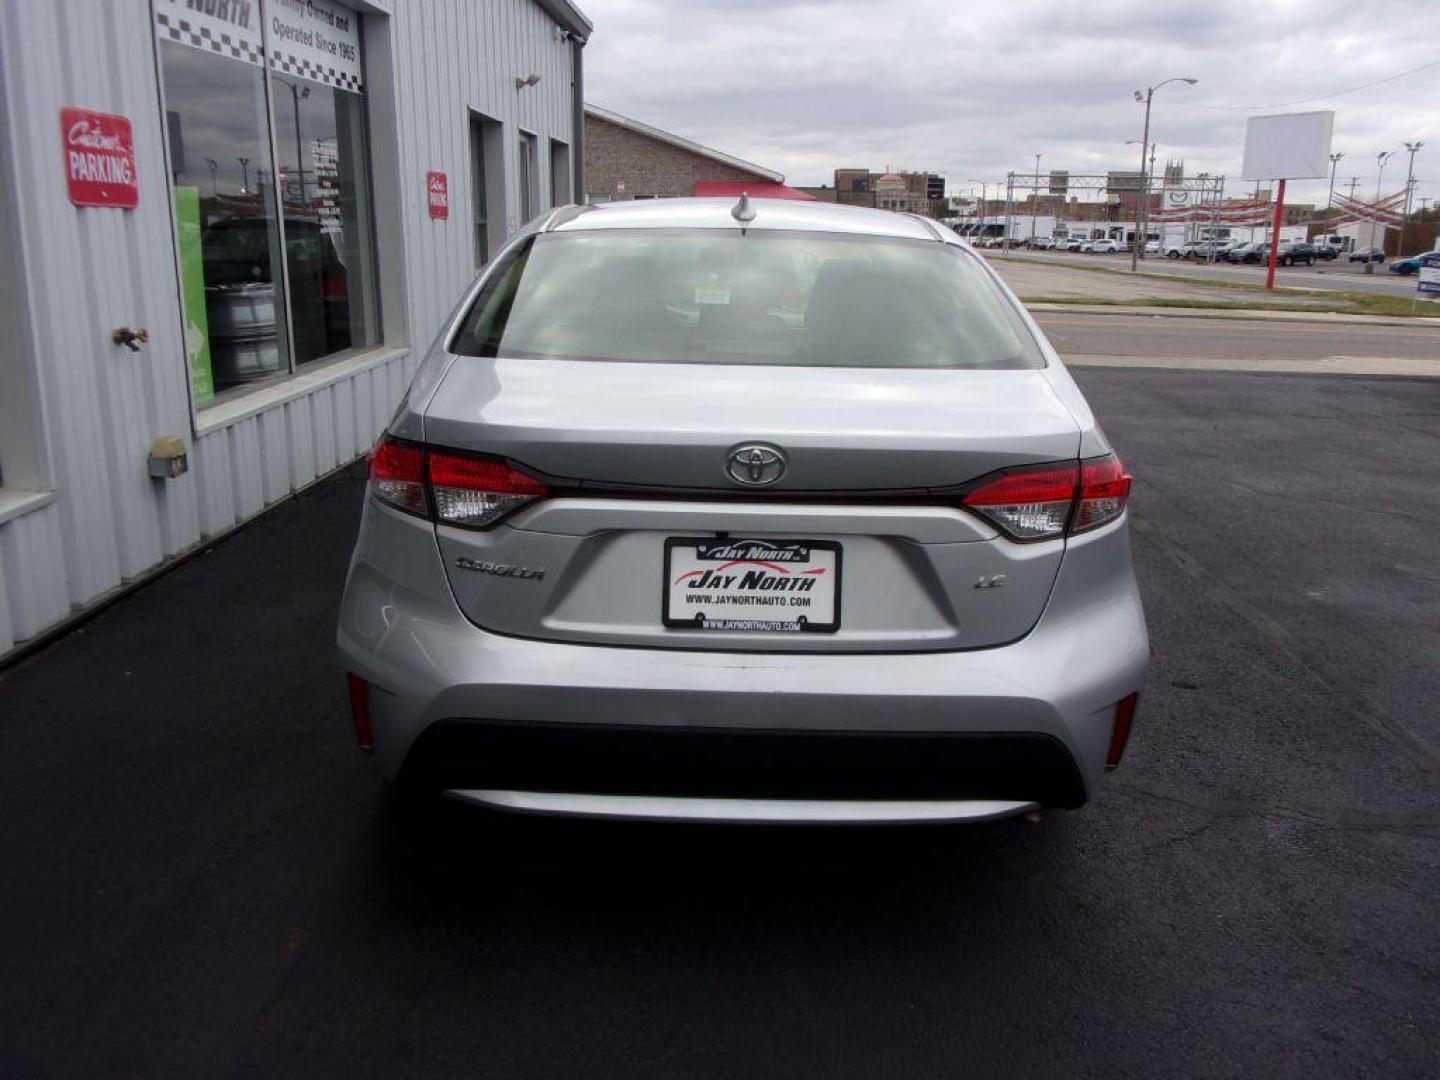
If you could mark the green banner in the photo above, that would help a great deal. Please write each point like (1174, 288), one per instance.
(192, 292)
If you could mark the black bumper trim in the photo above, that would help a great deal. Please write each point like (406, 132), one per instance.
(606, 759)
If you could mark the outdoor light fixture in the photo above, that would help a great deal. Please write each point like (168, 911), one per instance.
(529, 80)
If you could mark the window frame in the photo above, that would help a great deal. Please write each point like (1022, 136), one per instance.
(527, 168)
(293, 369)
(562, 183)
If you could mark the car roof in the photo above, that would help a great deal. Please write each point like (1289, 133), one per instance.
(770, 214)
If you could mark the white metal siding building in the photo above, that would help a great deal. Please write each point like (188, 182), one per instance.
(471, 91)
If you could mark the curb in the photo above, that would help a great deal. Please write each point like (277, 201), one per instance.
(1232, 314)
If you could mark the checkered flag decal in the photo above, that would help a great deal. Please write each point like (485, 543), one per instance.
(185, 33)
(309, 69)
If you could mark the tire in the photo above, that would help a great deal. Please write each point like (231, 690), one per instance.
(1287, 261)
(1310, 261)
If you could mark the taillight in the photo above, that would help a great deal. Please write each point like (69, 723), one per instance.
(397, 475)
(1028, 504)
(462, 489)
(1104, 488)
(477, 491)
(1042, 502)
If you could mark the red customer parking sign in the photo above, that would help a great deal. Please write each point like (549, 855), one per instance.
(439, 190)
(99, 159)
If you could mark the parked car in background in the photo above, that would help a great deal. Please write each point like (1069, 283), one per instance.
(1248, 253)
(1074, 243)
(1290, 254)
(1152, 247)
(823, 454)
(1367, 255)
(1203, 250)
(1105, 247)
(1043, 243)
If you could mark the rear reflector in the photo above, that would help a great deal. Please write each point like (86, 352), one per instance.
(1120, 733)
(463, 489)
(360, 711)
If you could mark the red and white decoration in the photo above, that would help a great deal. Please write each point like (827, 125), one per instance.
(1249, 212)
(99, 159)
(1387, 211)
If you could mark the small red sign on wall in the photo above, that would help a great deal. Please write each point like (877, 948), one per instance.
(99, 159)
(439, 190)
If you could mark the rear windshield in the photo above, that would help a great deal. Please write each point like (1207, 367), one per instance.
(710, 296)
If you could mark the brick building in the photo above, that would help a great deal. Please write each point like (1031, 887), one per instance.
(626, 159)
(907, 192)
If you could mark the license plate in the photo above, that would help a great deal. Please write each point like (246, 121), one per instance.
(785, 586)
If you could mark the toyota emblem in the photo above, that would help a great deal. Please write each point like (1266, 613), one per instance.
(755, 464)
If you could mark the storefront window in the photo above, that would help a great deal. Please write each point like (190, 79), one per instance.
(236, 211)
(320, 137)
(225, 213)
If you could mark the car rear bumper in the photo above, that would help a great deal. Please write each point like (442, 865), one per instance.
(1025, 723)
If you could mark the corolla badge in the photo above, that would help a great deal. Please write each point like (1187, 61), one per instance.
(755, 464)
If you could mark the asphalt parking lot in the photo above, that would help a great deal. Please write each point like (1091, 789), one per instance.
(204, 878)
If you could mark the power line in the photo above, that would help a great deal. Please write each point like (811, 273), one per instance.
(1306, 101)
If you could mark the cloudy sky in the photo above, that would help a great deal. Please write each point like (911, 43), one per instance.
(974, 88)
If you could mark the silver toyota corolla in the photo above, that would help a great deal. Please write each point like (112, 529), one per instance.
(755, 511)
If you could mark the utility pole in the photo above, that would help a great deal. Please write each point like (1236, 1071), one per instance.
(1354, 183)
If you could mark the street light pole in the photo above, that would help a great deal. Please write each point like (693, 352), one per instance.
(1381, 158)
(1035, 200)
(1143, 204)
(979, 217)
(1330, 199)
(1413, 148)
(296, 93)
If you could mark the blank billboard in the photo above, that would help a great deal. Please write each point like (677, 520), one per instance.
(1288, 146)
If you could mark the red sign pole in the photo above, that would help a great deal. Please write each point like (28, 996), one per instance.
(1275, 234)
